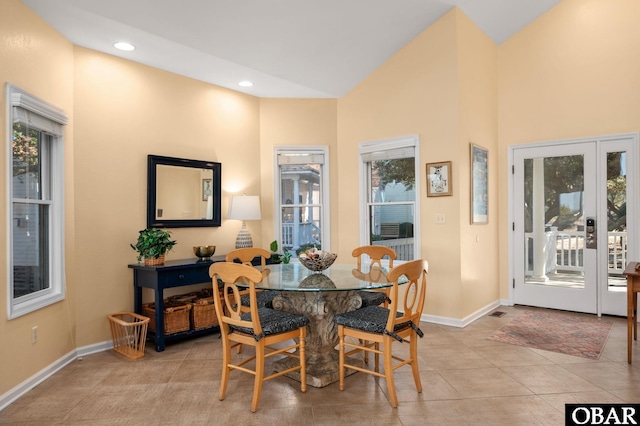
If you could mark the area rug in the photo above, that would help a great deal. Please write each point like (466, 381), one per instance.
(563, 333)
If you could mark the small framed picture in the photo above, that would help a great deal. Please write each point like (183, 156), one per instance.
(439, 179)
(206, 189)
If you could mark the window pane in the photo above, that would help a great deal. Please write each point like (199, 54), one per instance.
(393, 180)
(30, 248)
(26, 163)
(617, 219)
(392, 204)
(301, 204)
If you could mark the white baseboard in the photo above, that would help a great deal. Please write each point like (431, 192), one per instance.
(33, 381)
(461, 323)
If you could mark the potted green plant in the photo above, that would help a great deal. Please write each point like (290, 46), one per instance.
(152, 245)
(276, 257)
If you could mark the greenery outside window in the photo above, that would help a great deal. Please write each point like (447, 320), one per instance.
(35, 174)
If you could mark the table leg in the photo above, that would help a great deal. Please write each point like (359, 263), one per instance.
(322, 333)
(631, 307)
(159, 333)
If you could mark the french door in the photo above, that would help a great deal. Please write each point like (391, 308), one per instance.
(573, 207)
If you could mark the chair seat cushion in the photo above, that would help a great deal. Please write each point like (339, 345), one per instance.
(373, 319)
(372, 298)
(272, 321)
(264, 299)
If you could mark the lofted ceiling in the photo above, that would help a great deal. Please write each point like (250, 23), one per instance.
(288, 48)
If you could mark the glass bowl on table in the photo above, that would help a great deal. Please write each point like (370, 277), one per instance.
(317, 260)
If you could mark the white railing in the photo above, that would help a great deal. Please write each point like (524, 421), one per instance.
(402, 246)
(564, 251)
(308, 233)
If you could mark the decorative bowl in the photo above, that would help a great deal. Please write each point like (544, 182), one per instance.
(204, 252)
(317, 260)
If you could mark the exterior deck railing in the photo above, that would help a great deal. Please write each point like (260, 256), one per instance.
(402, 246)
(565, 252)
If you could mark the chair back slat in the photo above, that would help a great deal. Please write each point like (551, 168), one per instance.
(375, 253)
(228, 307)
(246, 255)
(415, 291)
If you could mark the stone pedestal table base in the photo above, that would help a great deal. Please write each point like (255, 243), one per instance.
(322, 333)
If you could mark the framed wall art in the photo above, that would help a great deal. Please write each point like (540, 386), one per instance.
(479, 184)
(206, 189)
(439, 179)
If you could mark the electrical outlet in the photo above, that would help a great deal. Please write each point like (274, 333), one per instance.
(441, 218)
(34, 334)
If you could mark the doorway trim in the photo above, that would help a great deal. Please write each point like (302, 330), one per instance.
(632, 181)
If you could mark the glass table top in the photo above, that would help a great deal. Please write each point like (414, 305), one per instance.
(295, 277)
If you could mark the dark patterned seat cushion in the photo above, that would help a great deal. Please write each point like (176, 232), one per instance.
(373, 319)
(272, 322)
(372, 298)
(264, 299)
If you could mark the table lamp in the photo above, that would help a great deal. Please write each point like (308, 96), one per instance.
(244, 207)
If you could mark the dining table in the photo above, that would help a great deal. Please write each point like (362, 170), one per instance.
(319, 296)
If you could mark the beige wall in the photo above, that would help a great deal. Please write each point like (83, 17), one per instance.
(442, 87)
(129, 111)
(294, 122)
(571, 73)
(39, 61)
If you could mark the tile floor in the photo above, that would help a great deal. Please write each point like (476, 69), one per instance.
(466, 379)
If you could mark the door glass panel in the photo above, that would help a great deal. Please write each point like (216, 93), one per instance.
(554, 221)
(616, 220)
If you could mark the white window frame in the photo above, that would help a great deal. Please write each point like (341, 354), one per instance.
(50, 119)
(324, 192)
(378, 148)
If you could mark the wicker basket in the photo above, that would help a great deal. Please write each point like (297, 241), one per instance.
(129, 334)
(203, 313)
(176, 316)
(154, 261)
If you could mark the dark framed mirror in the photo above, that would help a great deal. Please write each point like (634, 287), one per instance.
(183, 193)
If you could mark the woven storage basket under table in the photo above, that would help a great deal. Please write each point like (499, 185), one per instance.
(176, 316)
(129, 334)
(203, 313)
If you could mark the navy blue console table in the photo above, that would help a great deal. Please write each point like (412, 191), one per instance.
(174, 273)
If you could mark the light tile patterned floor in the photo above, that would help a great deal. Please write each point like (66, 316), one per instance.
(466, 379)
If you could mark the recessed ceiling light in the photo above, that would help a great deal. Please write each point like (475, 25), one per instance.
(123, 45)
(245, 83)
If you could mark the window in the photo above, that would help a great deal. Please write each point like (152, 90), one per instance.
(302, 197)
(388, 189)
(35, 198)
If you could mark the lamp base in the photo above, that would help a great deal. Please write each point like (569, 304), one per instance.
(243, 240)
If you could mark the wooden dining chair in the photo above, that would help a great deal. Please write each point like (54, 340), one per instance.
(261, 328)
(246, 257)
(376, 254)
(369, 328)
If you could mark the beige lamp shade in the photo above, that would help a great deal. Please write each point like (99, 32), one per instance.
(244, 207)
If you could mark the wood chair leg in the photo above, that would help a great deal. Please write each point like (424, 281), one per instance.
(257, 383)
(413, 349)
(388, 372)
(303, 361)
(224, 380)
(341, 356)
